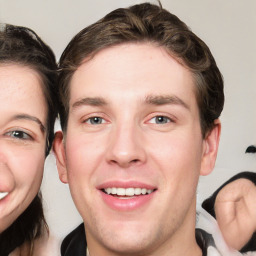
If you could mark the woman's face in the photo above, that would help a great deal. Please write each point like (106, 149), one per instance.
(23, 114)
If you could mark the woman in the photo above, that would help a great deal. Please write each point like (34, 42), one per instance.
(233, 206)
(28, 111)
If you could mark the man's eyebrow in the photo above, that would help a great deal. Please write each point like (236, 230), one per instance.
(165, 99)
(30, 118)
(91, 101)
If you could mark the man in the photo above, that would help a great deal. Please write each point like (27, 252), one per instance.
(141, 96)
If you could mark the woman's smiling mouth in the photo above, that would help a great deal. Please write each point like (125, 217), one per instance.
(3, 195)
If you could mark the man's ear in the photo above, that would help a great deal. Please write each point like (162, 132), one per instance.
(59, 151)
(210, 149)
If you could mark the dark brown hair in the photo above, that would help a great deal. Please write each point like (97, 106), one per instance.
(29, 226)
(20, 45)
(147, 23)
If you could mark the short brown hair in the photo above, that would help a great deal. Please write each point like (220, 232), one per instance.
(147, 23)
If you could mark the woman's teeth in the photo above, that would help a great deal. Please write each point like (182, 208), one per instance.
(3, 195)
(128, 191)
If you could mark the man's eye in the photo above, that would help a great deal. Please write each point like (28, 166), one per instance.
(95, 120)
(160, 120)
(19, 135)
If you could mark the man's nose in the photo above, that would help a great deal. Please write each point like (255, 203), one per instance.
(126, 146)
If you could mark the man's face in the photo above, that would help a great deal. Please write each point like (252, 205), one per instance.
(134, 149)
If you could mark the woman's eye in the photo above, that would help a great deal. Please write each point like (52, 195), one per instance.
(160, 120)
(95, 120)
(19, 135)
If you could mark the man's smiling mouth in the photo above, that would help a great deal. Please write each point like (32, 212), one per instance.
(128, 192)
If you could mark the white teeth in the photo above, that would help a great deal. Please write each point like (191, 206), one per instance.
(108, 190)
(128, 191)
(143, 191)
(120, 191)
(113, 192)
(3, 195)
(137, 191)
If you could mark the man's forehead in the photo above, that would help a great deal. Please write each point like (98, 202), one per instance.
(130, 73)
(106, 54)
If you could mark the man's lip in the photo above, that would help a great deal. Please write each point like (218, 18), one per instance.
(125, 184)
(124, 203)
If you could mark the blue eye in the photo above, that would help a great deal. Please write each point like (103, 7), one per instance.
(95, 120)
(160, 120)
(19, 135)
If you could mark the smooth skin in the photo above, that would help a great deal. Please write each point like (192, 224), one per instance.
(235, 212)
(134, 119)
(23, 111)
(22, 139)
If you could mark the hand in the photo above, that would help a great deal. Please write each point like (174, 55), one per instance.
(235, 209)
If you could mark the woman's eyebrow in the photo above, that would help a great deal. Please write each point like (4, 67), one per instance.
(30, 118)
(165, 99)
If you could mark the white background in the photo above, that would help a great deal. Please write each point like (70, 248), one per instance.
(229, 29)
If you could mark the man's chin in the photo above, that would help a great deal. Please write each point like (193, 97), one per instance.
(130, 240)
